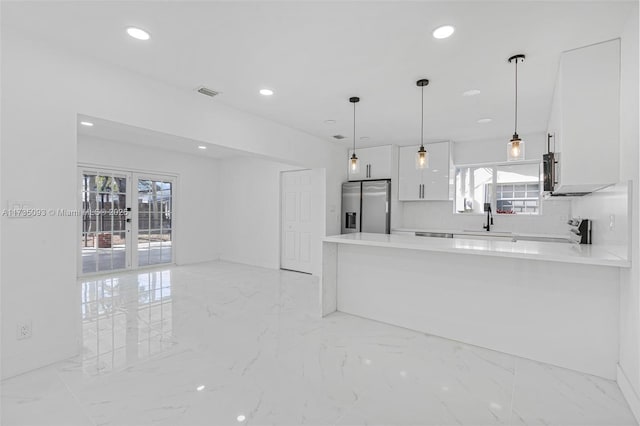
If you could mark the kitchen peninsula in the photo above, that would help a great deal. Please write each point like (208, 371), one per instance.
(547, 301)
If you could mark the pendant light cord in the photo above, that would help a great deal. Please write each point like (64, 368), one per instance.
(354, 127)
(515, 130)
(422, 120)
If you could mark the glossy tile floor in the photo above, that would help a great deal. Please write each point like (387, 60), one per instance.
(225, 344)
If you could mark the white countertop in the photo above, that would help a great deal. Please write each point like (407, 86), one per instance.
(530, 250)
(480, 231)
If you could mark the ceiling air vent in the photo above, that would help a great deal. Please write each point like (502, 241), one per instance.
(207, 91)
(339, 137)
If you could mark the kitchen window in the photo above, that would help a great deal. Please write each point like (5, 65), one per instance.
(512, 189)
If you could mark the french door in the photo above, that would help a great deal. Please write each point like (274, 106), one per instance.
(126, 220)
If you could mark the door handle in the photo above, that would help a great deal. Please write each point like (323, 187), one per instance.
(128, 220)
(419, 190)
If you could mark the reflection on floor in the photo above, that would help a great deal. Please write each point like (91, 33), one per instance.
(108, 259)
(222, 344)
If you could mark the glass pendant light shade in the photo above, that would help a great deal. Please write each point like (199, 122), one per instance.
(354, 164)
(515, 149)
(422, 158)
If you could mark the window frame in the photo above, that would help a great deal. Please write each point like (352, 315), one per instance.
(494, 184)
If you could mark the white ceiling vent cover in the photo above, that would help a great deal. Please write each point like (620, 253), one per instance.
(207, 91)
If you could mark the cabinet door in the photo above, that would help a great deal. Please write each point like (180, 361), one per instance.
(590, 117)
(375, 163)
(409, 178)
(435, 178)
(379, 161)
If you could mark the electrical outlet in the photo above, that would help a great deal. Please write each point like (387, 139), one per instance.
(24, 330)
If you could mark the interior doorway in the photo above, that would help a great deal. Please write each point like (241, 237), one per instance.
(296, 220)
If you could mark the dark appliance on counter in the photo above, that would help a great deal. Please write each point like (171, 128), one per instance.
(580, 230)
(365, 206)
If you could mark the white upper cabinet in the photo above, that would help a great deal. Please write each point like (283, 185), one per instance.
(431, 183)
(375, 163)
(585, 118)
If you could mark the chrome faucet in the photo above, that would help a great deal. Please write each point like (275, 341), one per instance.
(487, 208)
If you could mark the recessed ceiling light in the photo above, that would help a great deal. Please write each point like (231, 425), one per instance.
(485, 120)
(241, 418)
(443, 31)
(472, 92)
(202, 147)
(138, 33)
(200, 388)
(329, 121)
(266, 92)
(87, 123)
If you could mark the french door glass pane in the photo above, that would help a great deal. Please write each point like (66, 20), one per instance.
(104, 203)
(154, 222)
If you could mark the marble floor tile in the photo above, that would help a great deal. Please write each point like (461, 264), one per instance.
(224, 344)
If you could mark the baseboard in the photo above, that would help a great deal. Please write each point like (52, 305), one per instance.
(249, 262)
(629, 393)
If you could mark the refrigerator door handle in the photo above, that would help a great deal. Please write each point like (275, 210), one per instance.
(386, 207)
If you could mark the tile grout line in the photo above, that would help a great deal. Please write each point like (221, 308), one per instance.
(75, 397)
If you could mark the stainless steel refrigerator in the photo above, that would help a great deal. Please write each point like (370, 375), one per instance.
(366, 206)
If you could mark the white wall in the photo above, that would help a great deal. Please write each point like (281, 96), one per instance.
(250, 211)
(609, 211)
(196, 194)
(495, 150)
(439, 214)
(609, 201)
(43, 91)
(629, 164)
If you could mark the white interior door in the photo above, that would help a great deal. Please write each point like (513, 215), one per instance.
(296, 212)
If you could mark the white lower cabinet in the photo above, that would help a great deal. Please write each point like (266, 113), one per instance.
(431, 183)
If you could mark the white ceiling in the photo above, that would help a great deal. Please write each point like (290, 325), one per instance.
(110, 130)
(315, 55)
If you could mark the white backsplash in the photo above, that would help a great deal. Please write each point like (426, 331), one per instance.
(439, 215)
(609, 211)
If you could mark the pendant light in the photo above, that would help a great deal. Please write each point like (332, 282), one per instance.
(354, 164)
(422, 156)
(515, 147)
